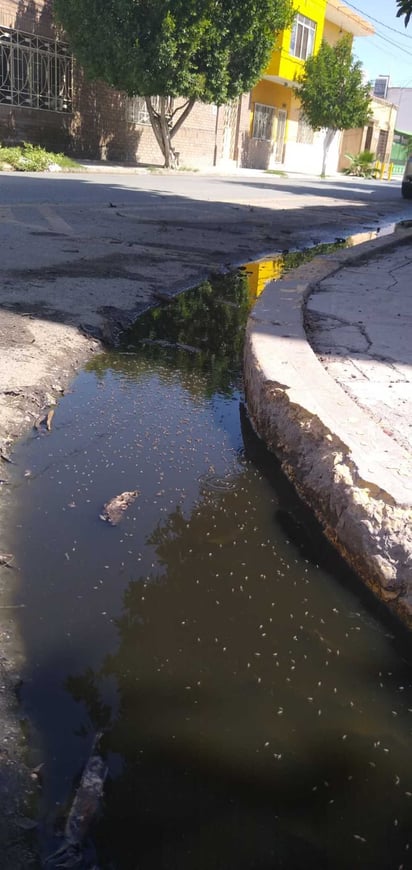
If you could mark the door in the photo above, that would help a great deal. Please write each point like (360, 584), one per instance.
(229, 130)
(280, 134)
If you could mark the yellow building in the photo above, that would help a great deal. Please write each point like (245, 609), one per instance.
(279, 136)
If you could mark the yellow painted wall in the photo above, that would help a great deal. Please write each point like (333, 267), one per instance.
(332, 33)
(272, 94)
(282, 63)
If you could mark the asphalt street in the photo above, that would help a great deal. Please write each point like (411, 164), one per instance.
(214, 220)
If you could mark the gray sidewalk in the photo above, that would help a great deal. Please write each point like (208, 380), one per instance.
(328, 368)
(359, 323)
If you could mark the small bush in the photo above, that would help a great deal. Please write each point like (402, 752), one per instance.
(33, 158)
(362, 165)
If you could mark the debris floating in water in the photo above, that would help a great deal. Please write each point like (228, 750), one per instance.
(114, 509)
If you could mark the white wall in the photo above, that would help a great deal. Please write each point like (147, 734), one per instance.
(402, 97)
(308, 158)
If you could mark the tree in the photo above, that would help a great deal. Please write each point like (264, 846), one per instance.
(207, 50)
(332, 92)
(404, 8)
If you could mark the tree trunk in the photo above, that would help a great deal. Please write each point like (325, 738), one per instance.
(327, 142)
(165, 129)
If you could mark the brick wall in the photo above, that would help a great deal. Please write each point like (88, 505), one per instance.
(99, 129)
(49, 129)
(196, 139)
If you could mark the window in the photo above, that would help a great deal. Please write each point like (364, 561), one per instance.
(137, 110)
(401, 138)
(305, 133)
(303, 37)
(35, 72)
(263, 118)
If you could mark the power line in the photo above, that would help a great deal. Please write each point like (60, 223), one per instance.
(377, 21)
(394, 44)
(384, 38)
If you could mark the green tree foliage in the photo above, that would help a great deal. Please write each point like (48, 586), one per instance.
(208, 50)
(332, 92)
(404, 8)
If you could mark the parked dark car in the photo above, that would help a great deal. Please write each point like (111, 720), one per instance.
(407, 179)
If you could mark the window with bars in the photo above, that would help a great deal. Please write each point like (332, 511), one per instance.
(263, 118)
(305, 134)
(35, 72)
(303, 37)
(137, 110)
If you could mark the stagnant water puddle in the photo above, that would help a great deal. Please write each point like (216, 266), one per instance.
(254, 704)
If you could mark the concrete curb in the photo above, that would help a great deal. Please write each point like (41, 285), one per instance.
(356, 478)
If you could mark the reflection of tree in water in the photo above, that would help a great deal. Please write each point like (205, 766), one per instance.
(193, 791)
(200, 331)
(211, 776)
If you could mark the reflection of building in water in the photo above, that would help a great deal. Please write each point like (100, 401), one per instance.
(262, 271)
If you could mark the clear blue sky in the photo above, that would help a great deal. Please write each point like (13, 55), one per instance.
(389, 51)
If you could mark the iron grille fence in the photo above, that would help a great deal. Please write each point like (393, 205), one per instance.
(263, 120)
(35, 72)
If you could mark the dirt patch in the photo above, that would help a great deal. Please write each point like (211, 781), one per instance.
(38, 360)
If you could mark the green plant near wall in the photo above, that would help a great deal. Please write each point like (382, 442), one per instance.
(362, 165)
(32, 158)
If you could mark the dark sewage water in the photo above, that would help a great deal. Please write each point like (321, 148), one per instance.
(254, 702)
